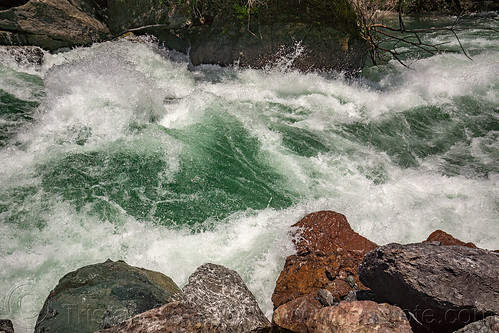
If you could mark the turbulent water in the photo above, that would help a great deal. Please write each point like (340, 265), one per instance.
(124, 151)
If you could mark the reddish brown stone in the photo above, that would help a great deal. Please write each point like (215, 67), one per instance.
(170, 318)
(446, 239)
(328, 231)
(302, 276)
(359, 316)
(295, 314)
(329, 253)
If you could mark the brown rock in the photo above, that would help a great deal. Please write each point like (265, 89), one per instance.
(329, 253)
(446, 239)
(328, 231)
(170, 318)
(359, 316)
(51, 24)
(295, 314)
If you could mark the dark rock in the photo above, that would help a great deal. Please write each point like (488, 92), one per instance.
(101, 296)
(487, 325)
(6, 326)
(166, 20)
(446, 239)
(294, 315)
(326, 31)
(170, 318)
(51, 24)
(6, 4)
(444, 287)
(25, 55)
(359, 316)
(329, 252)
(222, 294)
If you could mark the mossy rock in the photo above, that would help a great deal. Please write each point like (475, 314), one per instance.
(101, 296)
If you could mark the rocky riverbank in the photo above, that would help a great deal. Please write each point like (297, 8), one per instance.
(338, 281)
(319, 34)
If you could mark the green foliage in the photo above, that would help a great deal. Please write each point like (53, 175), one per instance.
(243, 12)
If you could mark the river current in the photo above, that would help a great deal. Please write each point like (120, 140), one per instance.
(122, 150)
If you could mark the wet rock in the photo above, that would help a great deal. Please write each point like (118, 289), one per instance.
(6, 326)
(222, 294)
(329, 253)
(487, 325)
(359, 316)
(25, 55)
(304, 275)
(170, 318)
(444, 287)
(328, 231)
(51, 24)
(101, 296)
(446, 239)
(294, 315)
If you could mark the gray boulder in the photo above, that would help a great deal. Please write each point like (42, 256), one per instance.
(443, 287)
(222, 294)
(51, 24)
(101, 296)
(487, 325)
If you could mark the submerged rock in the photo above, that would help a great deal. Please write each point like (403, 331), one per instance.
(359, 316)
(329, 252)
(51, 24)
(101, 296)
(215, 300)
(444, 287)
(487, 325)
(446, 239)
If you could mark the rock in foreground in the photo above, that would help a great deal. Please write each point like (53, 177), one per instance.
(445, 287)
(360, 316)
(101, 296)
(329, 252)
(222, 294)
(170, 318)
(215, 300)
(487, 325)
